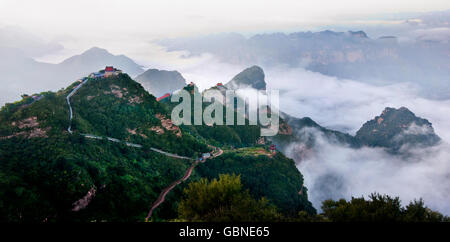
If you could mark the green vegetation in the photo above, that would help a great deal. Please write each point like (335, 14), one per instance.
(255, 151)
(40, 179)
(276, 179)
(395, 128)
(379, 208)
(119, 107)
(44, 170)
(231, 135)
(41, 176)
(224, 200)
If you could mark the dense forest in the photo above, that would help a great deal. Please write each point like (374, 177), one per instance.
(48, 174)
(44, 170)
(225, 200)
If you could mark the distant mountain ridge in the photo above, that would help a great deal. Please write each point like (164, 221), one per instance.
(22, 74)
(391, 130)
(395, 130)
(160, 82)
(351, 55)
(122, 181)
(97, 58)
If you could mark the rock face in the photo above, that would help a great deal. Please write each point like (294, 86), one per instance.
(250, 77)
(160, 82)
(395, 128)
(297, 137)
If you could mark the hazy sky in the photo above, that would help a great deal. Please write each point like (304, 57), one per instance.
(126, 27)
(102, 18)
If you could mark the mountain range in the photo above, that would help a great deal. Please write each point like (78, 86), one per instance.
(350, 55)
(22, 74)
(122, 150)
(120, 154)
(393, 130)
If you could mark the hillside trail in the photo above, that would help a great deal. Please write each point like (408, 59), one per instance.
(92, 136)
(186, 176)
(165, 191)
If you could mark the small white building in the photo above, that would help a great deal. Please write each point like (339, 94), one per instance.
(206, 155)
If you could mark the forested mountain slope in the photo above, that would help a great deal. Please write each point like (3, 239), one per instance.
(48, 174)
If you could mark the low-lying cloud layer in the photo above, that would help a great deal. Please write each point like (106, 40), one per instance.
(345, 105)
(332, 170)
(337, 171)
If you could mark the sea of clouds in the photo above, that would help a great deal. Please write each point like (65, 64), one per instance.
(335, 171)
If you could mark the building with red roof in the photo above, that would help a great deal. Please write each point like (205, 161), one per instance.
(273, 148)
(163, 97)
(109, 69)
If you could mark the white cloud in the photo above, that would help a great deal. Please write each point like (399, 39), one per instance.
(335, 172)
(415, 129)
(346, 104)
(106, 20)
(441, 34)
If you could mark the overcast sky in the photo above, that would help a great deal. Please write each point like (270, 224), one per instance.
(180, 17)
(114, 24)
(128, 27)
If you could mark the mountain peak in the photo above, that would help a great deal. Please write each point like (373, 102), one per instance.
(96, 51)
(97, 58)
(395, 128)
(160, 82)
(250, 77)
(359, 33)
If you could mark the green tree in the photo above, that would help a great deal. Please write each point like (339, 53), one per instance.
(379, 208)
(416, 211)
(224, 200)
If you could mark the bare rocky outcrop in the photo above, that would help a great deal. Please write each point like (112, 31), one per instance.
(117, 91)
(89, 98)
(285, 129)
(261, 141)
(84, 201)
(135, 99)
(38, 132)
(32, 129)
(157, 129)
(123, 92)
(168, 124)
(30, 122)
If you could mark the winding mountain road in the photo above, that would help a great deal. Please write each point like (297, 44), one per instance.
(91, 136)
(186, 176)
(69, 129)
(163, 194)
(166, 190)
